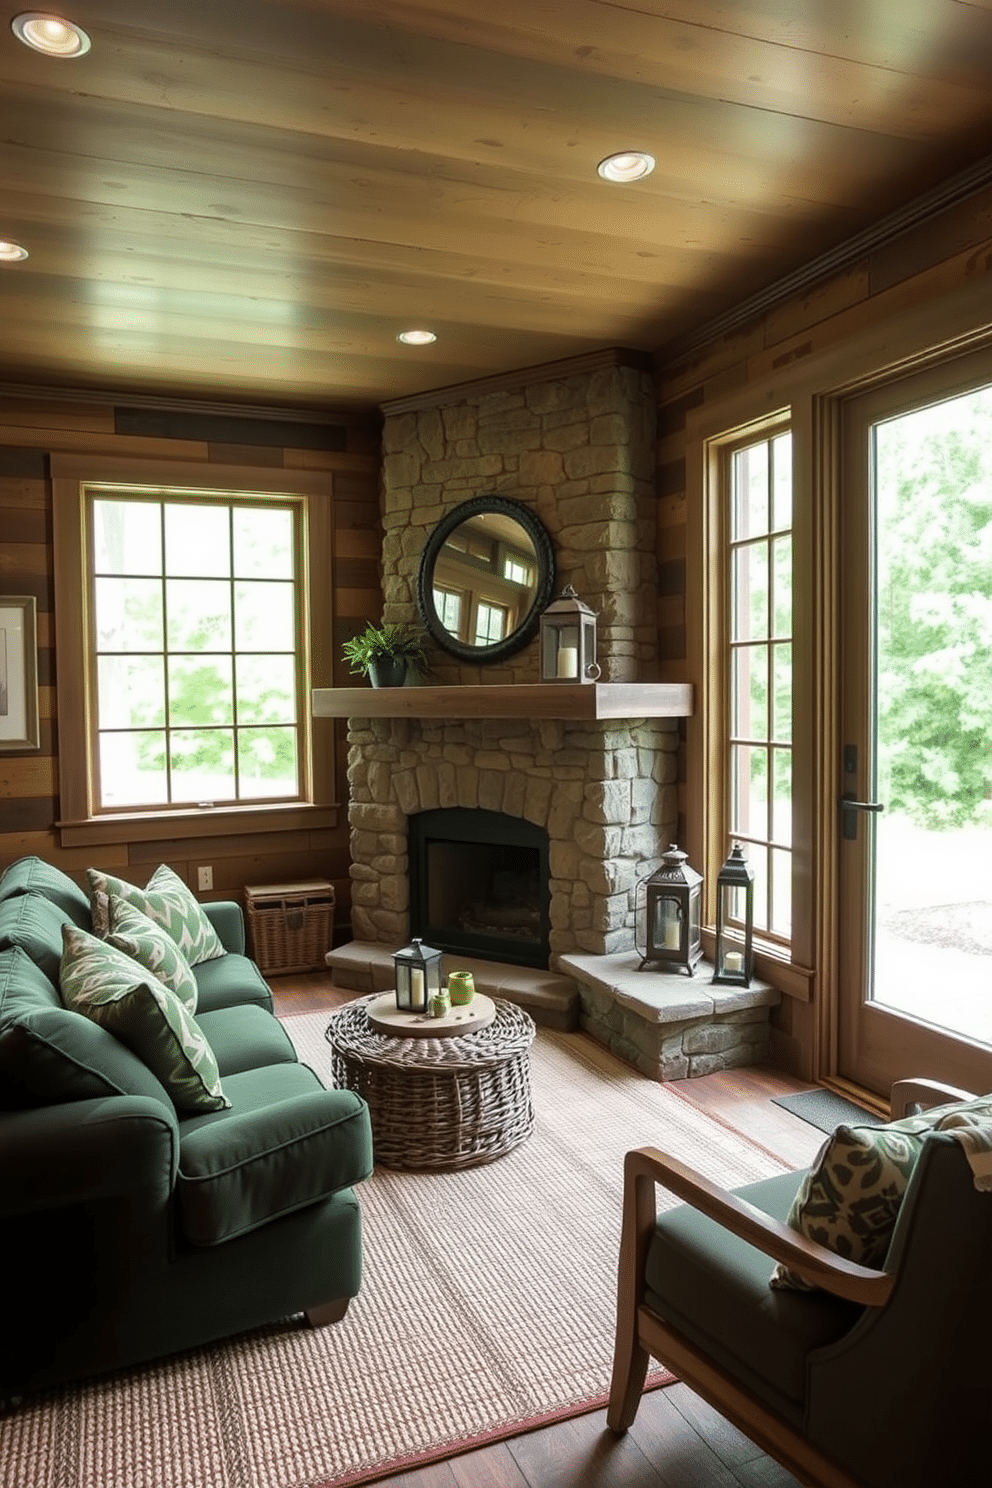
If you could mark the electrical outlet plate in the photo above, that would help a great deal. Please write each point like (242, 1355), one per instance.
(204, 878)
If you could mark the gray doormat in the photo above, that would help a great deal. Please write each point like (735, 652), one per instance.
(826, 1110)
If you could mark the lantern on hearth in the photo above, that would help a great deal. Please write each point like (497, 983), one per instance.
(568, 640)
(417, 970)
(734, 920)
(668, 913)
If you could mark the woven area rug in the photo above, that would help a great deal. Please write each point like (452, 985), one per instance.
(487, 1310)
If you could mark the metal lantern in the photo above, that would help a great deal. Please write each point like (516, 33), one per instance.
(418, 976)
(568, 640)
(734, 912)
(668, 914)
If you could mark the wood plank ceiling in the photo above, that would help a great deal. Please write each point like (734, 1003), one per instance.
(250, 200)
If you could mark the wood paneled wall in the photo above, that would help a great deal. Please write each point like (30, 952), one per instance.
(31, 429)
(947, 253)
(948, 256)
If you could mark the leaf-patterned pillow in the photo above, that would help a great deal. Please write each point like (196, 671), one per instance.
(849, 1200)
(164, 899)
(132, 932)
(103, 984)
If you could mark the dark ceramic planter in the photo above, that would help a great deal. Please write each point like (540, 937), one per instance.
(387, 671)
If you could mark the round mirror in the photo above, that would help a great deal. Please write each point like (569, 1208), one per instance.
(486, 574)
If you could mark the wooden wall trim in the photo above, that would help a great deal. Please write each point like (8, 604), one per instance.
(329, 414)
(922, 210)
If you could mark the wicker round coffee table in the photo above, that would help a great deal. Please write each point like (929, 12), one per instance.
(438, 1102)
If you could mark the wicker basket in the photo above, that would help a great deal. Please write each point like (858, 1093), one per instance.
(290, 926)
(439, 1103)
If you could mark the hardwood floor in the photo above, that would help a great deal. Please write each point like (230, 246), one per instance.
(677, 1440)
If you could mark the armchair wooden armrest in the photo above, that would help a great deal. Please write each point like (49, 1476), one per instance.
(646, 1166)
(909, 1093)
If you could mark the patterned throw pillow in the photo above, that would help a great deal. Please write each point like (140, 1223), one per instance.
(849, 1200)
(164, 899)
(132, 932)
(102, 983)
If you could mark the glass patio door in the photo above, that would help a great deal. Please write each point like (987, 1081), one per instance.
(914, 847)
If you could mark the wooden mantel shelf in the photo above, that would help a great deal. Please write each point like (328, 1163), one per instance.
(581, 702)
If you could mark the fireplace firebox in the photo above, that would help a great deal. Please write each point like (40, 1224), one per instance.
(479, 884)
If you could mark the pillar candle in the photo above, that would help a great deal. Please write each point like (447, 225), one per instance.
(568, 661)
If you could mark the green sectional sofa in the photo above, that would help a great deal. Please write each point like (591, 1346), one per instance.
(130, 1228)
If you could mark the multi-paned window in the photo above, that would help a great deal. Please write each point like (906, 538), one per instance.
(759, 556)
(195, 608)
(490, 622)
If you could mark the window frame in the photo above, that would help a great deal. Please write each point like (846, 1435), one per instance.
(714, 433)
(734, 645)
(80, 823)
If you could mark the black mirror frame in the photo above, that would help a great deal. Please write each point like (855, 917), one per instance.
(545, 554)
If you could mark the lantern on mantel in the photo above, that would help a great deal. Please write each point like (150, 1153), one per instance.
(568, 640)
(734, 960)
(417, 970)
(667, 920)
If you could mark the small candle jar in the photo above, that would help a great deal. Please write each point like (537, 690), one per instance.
(440, 1004)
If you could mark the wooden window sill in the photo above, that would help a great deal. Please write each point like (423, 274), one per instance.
(218, 821)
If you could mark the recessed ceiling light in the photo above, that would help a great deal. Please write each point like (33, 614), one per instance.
(11, 252)
(628, 165)
(416, 338)
(50, 34)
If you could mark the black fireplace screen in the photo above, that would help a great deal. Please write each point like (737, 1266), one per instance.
(479, 885)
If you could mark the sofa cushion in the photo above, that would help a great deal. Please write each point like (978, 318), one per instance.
(35, 876)
(245, 1038)
(167, 901)
(102, 983)
(850, 1199)
(34, 924)
(146, 942)
(230, 981)
(286, 1143)
(713, 1287)
(54, 1055)
(24, 987)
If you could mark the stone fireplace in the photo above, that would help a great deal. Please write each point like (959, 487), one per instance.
(579, 449)
(603, 792)
(596, 780)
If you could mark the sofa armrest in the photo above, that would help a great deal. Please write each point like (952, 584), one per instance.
(55, 1156)
(646, 1166)
(227, 918)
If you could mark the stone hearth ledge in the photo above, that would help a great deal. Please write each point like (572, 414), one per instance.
(671, 1026)
(364, 966)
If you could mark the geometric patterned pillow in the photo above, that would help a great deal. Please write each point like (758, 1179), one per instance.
(104, 984)
(166, 900)
(850, 1199)
(137, 936)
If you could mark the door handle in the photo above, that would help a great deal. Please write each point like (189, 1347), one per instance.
(849, 806)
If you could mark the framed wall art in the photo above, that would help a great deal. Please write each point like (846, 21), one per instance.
(18, 672)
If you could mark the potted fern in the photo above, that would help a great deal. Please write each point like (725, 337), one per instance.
(386, 654)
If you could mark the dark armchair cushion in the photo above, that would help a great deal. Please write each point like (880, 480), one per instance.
(286, 1143)
(713, 1287)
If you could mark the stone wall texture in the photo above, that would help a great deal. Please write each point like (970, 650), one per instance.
(605, 793)
(580, 452)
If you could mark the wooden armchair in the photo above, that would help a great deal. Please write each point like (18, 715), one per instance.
(875, 1379)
